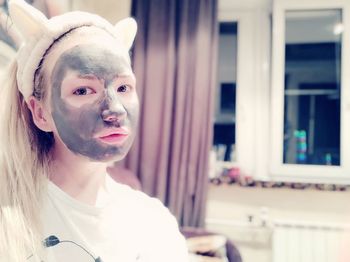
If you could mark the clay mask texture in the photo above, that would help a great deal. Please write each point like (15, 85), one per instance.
(78, 126)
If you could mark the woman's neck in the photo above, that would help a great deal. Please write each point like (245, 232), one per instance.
(78, 177)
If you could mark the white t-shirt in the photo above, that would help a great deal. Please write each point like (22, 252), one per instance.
(128, 227)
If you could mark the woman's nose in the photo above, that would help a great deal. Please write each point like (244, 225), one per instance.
(114, 111)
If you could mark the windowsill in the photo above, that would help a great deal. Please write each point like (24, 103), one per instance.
(236, 203)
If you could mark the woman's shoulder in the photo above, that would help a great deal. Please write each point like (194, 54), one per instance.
(135, 199)
(146, 211)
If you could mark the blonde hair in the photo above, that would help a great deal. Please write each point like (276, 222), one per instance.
(23, 168)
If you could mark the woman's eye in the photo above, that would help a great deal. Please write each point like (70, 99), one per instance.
(123, 88)
(83, 91)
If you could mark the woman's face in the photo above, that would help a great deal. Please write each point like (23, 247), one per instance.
(92, 96)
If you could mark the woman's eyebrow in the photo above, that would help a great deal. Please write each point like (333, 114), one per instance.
(129, 77)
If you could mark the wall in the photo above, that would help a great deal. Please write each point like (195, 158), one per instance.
(233, 204)
(112, 10)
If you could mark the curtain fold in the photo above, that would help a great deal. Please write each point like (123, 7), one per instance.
(174, 59)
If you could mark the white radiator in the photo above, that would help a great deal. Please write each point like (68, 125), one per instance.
(294, 241)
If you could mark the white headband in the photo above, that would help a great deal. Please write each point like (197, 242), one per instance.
(39, 33)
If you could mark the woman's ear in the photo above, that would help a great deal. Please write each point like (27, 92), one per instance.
(40, 115)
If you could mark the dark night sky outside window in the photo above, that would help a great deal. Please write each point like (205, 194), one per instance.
(312, 87)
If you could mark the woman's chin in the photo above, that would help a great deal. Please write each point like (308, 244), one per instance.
(108, 158)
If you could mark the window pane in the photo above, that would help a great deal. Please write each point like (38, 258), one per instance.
(312, 87)
(224, 127)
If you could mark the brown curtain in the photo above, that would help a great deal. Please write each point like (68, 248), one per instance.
(174, 59)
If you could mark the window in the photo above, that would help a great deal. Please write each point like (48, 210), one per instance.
(225, 110)
(292, 114)
(312, 87)
(310, 123)
(242, 79)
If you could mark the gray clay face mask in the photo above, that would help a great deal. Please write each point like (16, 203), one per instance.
(77, 126)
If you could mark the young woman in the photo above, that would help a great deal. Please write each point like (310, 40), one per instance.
(69, 108)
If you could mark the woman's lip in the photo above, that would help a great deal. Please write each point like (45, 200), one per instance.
(112, 131)
(114, 139)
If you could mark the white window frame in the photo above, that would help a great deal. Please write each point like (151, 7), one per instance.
(252, 84)
(297, 172)
(244, 86)
(252, 76)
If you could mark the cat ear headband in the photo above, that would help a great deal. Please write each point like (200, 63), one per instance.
(39, 33)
